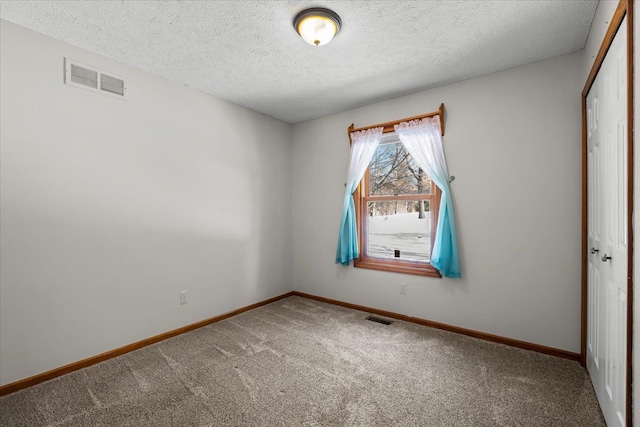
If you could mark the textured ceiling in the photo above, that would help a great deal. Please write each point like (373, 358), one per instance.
(247, 52)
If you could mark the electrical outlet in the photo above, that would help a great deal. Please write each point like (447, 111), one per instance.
(183, 297)
(403, 288)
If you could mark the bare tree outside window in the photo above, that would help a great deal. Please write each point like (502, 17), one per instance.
(398, 199)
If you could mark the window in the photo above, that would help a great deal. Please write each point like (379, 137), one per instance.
(397, 212)
(387, 184)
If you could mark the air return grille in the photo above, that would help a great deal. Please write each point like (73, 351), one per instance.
(84, 76)
(379, 320)
(88, 77)
(111, 84)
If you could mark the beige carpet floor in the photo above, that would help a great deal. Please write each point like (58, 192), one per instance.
(299, 362)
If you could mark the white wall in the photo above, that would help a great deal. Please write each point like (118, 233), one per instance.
(109, 208)
(513, 141)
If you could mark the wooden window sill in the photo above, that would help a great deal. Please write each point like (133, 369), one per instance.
(406, 267)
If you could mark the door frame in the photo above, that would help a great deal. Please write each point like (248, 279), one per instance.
(624, 9)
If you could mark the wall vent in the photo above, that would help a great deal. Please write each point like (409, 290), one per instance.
(84, 76)
(379, 320)
(88, 77)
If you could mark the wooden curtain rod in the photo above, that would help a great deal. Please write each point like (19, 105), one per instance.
(389, 126)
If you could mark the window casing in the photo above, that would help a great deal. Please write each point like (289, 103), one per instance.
(392, 191)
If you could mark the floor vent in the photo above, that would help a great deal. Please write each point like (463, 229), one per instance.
(379, 320)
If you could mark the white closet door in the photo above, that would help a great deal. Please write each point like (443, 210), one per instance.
(596, 204)
(607, 230)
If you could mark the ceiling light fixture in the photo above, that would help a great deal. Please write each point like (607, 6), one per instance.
(317, 25)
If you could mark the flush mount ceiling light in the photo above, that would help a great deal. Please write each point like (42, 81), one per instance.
(317, 25)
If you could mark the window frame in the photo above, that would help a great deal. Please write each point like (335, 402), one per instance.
(361, 198)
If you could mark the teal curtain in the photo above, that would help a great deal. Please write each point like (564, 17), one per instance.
(348, 236)
(363, 146)
(423, 140)
(444, 256)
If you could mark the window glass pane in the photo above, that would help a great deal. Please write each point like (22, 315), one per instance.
(399, 230)
(393, 171)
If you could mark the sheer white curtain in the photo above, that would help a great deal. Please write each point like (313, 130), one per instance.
(363, 146)
(423, 140)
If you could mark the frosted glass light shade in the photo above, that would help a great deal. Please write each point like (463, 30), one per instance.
(317, 26)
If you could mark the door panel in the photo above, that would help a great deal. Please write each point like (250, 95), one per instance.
(607, 232)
